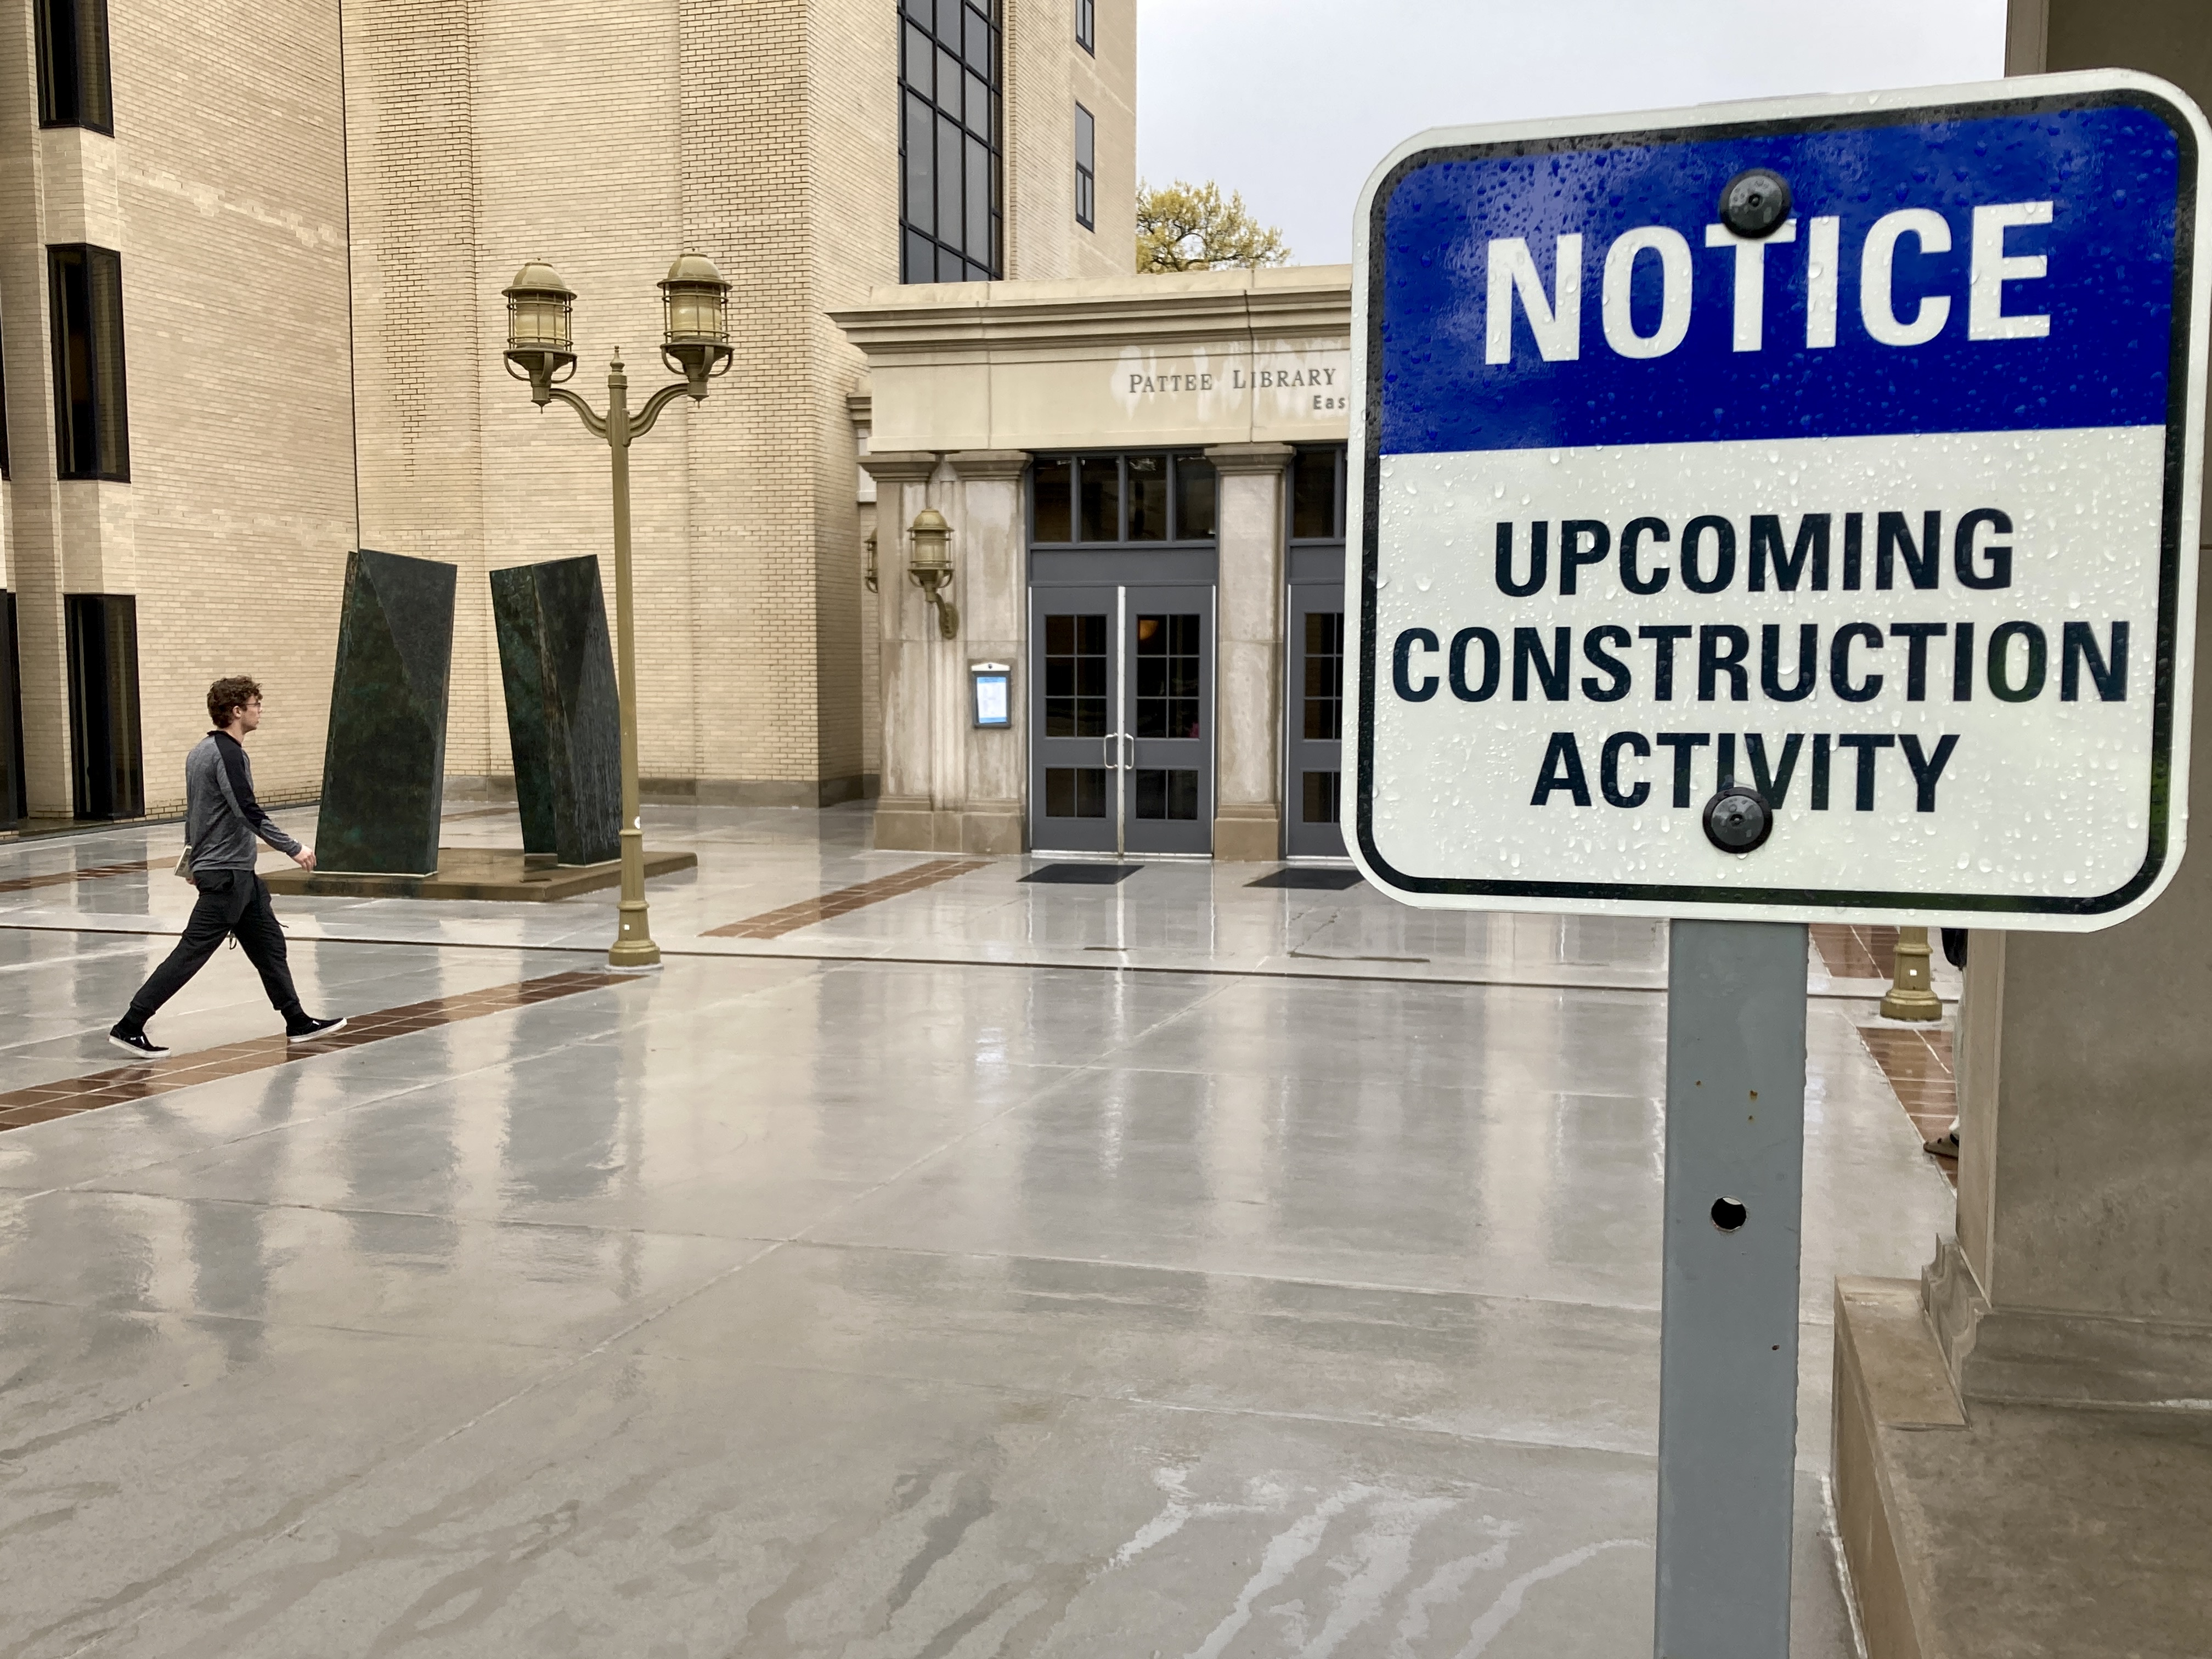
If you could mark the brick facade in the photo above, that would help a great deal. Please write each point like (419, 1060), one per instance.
(223, 191)
(763, 133)
(463, 137)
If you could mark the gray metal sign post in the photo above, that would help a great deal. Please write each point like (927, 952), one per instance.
(1727, 1339)
(1767, 513)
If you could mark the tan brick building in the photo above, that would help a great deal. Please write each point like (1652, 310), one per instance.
(814, 148)
(606, 138)
(179, 419)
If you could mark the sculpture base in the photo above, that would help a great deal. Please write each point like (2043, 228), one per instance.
(475, 872)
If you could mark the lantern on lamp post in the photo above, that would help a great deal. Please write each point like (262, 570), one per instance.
(539, 304)
(696, 343)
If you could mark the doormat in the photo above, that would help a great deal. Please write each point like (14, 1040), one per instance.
(1334, 881)
(1082, 875)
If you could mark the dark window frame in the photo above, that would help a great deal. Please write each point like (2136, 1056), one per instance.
(6, 470)
(75, 82)
(1086, 26)
(1177, 539)
(1307, 454)
(92, 401)
(14, 800)
(932, 133)
(1086, 168)
(106, 752)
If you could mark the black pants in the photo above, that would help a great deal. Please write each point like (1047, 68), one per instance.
(233, 902)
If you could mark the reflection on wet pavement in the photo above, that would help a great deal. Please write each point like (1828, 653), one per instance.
(818, 1302)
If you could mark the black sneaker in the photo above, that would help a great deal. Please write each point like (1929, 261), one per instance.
(308, 1030)
(136, 1042)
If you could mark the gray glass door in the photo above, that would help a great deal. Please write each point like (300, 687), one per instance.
(1168, 673)
(1122, 714)
(1075, 777)
(1314, 744)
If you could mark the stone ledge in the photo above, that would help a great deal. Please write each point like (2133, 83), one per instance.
(2004, 1529)
(910, 823)
(2048, 1356)
(474, 872)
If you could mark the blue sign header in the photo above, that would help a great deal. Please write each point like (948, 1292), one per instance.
(2014, 272)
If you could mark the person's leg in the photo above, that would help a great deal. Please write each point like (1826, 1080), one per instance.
(213, 914)
(262, 939)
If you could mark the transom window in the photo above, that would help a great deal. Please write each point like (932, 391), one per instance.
(1317, 495)
(1159, 497)
(949, 142)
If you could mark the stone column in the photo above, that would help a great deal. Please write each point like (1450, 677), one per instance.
(909, 642)
(2082, 1268)
(1981, 1510)
(991, 569)
(1248, 811)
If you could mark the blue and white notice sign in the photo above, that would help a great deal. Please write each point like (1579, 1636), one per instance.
(1885, 507)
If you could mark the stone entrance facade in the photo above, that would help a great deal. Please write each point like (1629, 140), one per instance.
(973, 391)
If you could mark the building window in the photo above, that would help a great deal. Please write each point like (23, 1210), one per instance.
(1317, 484)
(1087, 167)
(1159, 497)
(94, 428)
(14, 795)
(103, 692)
(1086, 26)
(949, 142)
(73, 83)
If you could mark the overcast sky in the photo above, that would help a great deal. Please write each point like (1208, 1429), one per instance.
(1294, 101)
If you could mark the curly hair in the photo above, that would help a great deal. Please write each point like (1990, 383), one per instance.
(234, 691)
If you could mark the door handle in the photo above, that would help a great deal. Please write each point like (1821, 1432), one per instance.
(1124, 752)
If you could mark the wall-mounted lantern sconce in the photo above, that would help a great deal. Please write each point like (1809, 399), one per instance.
(868, 575)
(931, 569)
(993, 687)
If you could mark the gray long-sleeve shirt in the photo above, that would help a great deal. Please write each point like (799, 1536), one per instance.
(222, 817)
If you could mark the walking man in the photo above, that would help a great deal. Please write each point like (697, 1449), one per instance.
(221, 818)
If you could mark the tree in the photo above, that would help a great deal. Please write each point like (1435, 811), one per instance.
(1183, 227)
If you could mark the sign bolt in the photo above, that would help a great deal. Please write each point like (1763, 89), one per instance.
(1755, 203)
(1738, 819)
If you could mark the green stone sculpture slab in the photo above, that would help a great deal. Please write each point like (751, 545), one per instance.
(563, 717)
(522, 679)
(384, 768)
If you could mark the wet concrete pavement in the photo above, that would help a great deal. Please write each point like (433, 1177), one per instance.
(911, 1283)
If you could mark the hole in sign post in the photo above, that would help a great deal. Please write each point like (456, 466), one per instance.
(1728, 1215)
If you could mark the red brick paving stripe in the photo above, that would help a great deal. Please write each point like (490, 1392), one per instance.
(774, 924)
(89, 872)
(1857, 950)
(1918, 1066)
(42, 1103)
(15, 1117)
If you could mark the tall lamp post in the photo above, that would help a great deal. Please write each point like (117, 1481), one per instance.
(695, 305)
